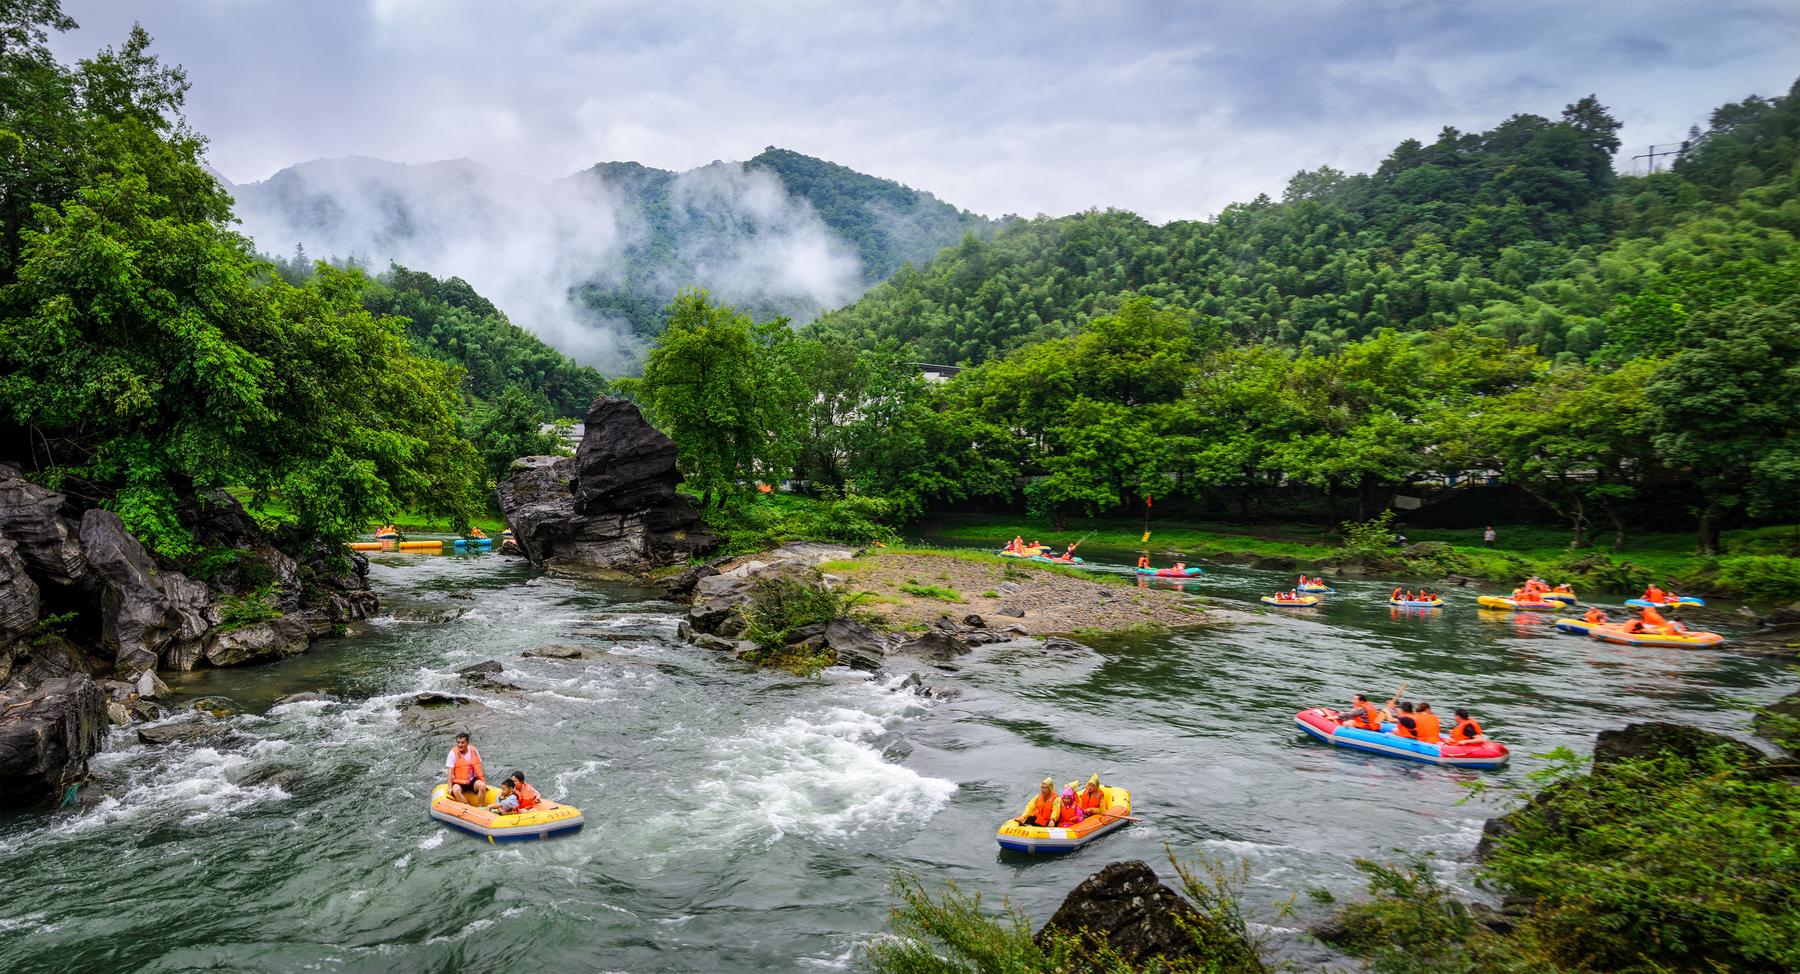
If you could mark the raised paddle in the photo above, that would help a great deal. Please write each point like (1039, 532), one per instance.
(1387, 712)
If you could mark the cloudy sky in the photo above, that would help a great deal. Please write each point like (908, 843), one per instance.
(1173, 110)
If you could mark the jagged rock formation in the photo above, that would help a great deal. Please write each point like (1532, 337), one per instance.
(611, 507)
(88, 614)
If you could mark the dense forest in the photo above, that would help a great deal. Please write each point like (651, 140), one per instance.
(1624, 349)
(147, 354)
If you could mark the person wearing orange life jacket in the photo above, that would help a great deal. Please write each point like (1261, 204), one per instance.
(1143, 561)
(1405, 724)
(1654, 621)
(468, 783)
(1092, 798)
(1069, 808)
(1363, 714)
(1466, 731)
(1426, 724)
(527, 795)
(1596, 616)
(1044, 808)
(1654, 594)
(1395, 597)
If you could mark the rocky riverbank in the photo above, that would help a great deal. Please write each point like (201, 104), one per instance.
(88, 616)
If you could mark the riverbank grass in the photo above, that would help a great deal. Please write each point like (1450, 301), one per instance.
(1760, 562)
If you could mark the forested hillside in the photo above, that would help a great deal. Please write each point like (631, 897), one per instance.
(588, 262)
(1523, 232)
(1624, 350)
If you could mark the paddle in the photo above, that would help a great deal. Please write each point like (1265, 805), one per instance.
(1387, 712)
(1128, 818)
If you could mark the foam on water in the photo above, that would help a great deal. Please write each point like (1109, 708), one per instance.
(815, 775)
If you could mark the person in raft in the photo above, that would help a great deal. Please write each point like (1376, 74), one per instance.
(1070, 812)
(1092, 797)
(1017, 544)
(1363, 714)
(475, 532)
(1596, 616)
(516, 796)
(1654, 594)
(1143, 561)
(1044, 808)
(1466, 731)
(1069, 553)
(468, 783)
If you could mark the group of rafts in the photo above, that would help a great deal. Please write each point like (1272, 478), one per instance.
(389, 538)
(1053, 823)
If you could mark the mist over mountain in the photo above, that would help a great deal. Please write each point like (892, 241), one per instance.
(588, 262)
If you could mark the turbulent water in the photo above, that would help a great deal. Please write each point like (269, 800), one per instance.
(744, 821)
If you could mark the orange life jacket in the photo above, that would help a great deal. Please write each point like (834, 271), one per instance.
(1041, 811)
(1654, 618)
(528, 796)
(1595, 616)
(1400, 728)
(1069, 813)
(1466, 730)
(1654, 594)
(1092, 800)
(468, 767)
(1427, 727)
(1368, 716)
(1144, 561)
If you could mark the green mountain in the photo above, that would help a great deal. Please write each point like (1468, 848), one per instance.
(1523, 231)
(589, 262)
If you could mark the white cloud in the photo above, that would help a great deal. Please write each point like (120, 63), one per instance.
(1170, 109)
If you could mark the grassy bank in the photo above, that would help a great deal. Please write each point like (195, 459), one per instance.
(1758, 561)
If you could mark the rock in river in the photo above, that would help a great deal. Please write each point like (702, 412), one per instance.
(1128, 908)
(611, 507)
(45, 741)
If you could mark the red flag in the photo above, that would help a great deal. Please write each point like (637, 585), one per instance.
(1147, 500)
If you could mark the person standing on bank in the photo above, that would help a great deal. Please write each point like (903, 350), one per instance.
(1488, 536)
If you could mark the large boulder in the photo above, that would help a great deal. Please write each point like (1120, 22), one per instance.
(220, 522)
(34, 518)
(272, 639)
(145, 612)
(45, 741)
(19, 601)
(1126, 907)
(611, 507)
(1652, 739)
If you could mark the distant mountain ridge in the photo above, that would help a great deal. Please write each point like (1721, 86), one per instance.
(589, 261)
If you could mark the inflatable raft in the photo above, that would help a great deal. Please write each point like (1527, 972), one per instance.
(1565, 596)
(1040, 840)
(1683, 640)
(1416, 603)
(1322, 589)
(1171, 573)
(1580, 627)
(1518, 605)
(542, 822)
(1676, 602)
(1301, 603)
(1322, 723)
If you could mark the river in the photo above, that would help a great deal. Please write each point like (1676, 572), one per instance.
(743, 821)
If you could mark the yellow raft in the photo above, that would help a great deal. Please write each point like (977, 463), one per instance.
(366, 546)
(1516, 605)
(1041, 840)
(1304, 602)
(542, 822)
(419, 545)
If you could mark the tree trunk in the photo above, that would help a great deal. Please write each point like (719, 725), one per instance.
(1579, 519)
(1362, 499)
(1709, 528)
(1059, 518)
(1618, 523)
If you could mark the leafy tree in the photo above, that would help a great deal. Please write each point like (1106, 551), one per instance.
(1726, 411)
(725, 391)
